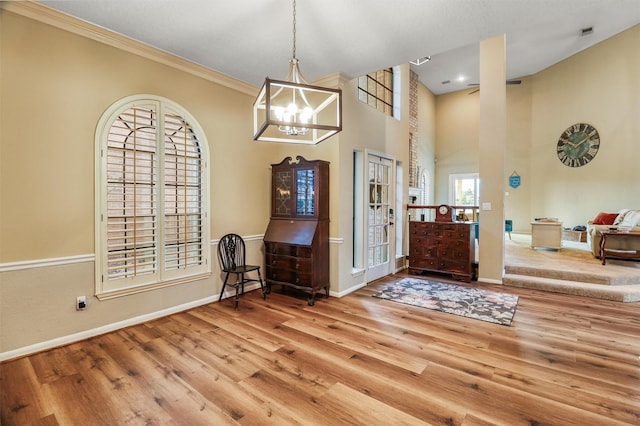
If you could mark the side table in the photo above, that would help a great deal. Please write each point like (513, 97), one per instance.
(546, 234)
(610, 238)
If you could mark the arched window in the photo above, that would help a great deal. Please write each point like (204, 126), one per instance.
(152, 224)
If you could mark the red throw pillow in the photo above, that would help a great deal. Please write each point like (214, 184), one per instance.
(605, 218)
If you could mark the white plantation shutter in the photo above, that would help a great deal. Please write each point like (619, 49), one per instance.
(132, 197)
(183, 242)
(153, 221)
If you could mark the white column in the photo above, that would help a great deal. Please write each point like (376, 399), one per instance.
(492, 148)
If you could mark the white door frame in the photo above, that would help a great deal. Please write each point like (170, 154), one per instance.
(378, 224)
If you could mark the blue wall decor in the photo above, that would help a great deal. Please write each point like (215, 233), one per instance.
(514, 180)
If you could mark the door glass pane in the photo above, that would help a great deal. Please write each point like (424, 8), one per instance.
(384, 172)
(378, 220)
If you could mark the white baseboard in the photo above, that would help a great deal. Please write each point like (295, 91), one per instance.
(76, 337)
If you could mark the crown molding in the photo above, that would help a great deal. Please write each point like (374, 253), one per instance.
(41, 13)
(336, 80)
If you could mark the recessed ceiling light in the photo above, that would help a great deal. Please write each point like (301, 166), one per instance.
(461, 78)
(420, 61)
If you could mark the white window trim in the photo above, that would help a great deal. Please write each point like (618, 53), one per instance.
(102, 291)
(452, 181)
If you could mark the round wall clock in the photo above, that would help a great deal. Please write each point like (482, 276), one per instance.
(578, 145)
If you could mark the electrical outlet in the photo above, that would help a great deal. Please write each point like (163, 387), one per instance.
(81, 303)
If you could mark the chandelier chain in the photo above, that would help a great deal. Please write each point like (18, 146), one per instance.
(294, 29)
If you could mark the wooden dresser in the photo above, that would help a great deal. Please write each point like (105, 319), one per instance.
(444, 247)
(297, 238)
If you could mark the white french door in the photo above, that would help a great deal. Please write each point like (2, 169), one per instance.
(379, 195)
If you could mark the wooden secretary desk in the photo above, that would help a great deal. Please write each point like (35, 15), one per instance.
(297, 238)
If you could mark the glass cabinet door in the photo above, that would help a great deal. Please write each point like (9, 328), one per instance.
(305, 192)
(282, 193)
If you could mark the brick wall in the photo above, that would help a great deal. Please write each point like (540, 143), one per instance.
(414, 165)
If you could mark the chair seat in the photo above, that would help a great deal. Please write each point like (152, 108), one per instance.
(240, 269)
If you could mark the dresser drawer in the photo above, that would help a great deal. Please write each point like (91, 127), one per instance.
(287, 262)
(288, 250)
(454, 267)
(289, 276)
(459, 245)
(424, 251)
(457, 234)
(424, 228)
(453, 253)
(423, 263)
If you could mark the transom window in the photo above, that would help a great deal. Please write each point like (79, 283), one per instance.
(376, 90)
(153, 221)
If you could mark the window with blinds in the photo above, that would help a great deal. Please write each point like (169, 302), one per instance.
(154, 205)
(376, 90)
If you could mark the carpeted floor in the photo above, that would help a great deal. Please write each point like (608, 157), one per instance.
(573, 256)
(570, 270)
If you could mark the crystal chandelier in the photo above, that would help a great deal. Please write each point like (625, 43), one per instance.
(294, 111)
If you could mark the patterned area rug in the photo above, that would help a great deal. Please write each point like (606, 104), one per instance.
(468, 302)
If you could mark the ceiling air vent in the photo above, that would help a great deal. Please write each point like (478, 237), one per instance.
(586, 31)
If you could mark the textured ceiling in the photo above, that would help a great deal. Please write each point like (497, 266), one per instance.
(251, 39)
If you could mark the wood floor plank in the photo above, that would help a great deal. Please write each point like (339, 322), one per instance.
(360, 341)
(482, 399)
(348, 406)
(213, 385)
(22, 396)
(160, 385)
(354, 360)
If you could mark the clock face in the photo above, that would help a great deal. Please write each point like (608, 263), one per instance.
(578, 145)
(443, 209)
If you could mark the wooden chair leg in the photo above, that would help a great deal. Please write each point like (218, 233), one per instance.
(223, 286)
(235, 304)
(264, 293)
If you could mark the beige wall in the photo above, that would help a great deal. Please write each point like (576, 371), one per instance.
(55, 84)
(597, 86)
(365, 128)
(54, 87)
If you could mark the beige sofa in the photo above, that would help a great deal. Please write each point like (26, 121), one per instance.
(627, 219)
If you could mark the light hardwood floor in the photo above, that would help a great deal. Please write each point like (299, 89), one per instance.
(355, 360)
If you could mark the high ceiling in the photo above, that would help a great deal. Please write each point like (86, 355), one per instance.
(252, 39)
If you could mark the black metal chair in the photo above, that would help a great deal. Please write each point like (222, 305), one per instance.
(231, 254)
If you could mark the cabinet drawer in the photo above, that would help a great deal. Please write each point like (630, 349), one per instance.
(288, 262)
(423, 263)
(457, 234)
(456, 245)
(423, 228)
(426, 251)
(289, 276)
(453, 253)
(454, 267)
(288, 250)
